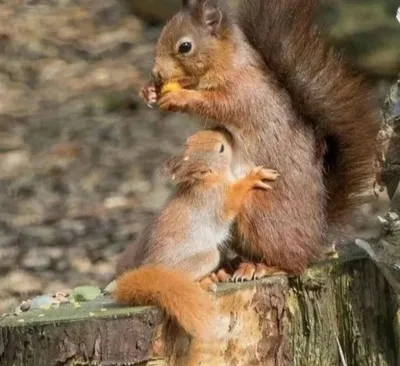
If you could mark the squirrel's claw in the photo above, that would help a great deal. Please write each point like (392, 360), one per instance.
(262, 185)
(245, 272)
(248, 271)
(149, 94)
(223, 275)
(259, 174)
(269, 174)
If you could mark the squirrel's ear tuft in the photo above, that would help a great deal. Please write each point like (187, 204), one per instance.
(212, 16)
(190, 4)
(211, 13)
(170, 166)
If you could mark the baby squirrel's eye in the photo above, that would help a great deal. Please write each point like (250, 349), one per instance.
(185, 47)
(221, 150)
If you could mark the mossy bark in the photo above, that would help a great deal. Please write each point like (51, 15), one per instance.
(352, 310)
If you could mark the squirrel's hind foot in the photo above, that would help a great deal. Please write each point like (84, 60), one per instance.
(223, 275)
(209, 283)
(248, 271)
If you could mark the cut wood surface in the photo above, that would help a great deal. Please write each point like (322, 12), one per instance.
(338, 306)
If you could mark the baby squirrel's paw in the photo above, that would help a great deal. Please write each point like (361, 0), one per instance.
(259, 174)
(223, 275)
(177, 101)
(209, 284)
(149, 94)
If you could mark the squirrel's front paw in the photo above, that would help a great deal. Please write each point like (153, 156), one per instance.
(259, 174)
(176, 101)
(149, 94)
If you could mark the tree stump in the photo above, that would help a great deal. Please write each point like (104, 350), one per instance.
(338, 310)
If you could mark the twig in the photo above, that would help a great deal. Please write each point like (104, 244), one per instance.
(344, 363)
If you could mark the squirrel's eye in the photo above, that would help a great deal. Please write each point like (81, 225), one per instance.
(185, 47)
(221, 150)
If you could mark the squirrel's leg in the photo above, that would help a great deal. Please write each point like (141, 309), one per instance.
(245, 269)
(200, 266)
(206, 104)
(235, 198)
(283, 231)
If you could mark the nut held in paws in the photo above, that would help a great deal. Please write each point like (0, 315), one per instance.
(169, 87)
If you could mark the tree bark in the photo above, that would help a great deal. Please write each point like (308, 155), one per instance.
(389, 141)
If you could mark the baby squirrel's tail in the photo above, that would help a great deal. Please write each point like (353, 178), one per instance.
(178, 296)
(324, 91)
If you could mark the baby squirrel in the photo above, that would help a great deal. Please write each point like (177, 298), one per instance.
(267, 74)
(182, 244)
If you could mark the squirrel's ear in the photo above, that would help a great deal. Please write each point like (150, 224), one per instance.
(212, 16)
(210, 13)
(170, 166)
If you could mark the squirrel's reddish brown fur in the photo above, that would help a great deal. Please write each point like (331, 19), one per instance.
(173, 292)
(182, 244)
(325, 93)
(290, 102)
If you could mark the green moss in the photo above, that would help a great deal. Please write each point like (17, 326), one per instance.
(103, 307)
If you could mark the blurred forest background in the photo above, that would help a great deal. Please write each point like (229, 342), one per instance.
(79, 152)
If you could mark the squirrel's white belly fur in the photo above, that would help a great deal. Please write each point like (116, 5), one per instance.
(207, 231)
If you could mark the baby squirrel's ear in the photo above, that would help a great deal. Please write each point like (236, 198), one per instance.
(210, 13)
(170, 166)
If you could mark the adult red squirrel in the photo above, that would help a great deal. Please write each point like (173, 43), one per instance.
(268, 75)
(182, 244)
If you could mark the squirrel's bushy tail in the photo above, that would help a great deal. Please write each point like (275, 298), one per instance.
(177, 295)
(324, 91)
